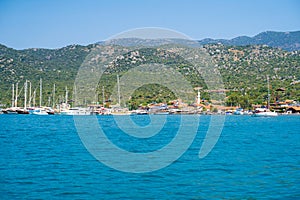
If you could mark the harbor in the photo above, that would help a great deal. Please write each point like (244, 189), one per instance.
(149, 100)
(28, 98)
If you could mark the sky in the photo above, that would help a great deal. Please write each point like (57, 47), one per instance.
(58, 23)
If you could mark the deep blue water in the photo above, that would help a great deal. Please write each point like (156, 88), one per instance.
(42, 157)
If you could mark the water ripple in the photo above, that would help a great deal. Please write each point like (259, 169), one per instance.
(255, 158)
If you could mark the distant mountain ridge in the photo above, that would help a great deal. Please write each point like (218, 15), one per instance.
(289, 41)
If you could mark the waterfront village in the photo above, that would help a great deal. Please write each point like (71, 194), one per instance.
(199, 106)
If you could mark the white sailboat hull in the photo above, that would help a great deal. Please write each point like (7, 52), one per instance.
(265, 114)
(76, 111)
(41, 112)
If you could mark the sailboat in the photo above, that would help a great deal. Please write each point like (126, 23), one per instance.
(24, 109)
(40, 110)
(13, 108)
(65, 108)
(117, 109)
(265, 111)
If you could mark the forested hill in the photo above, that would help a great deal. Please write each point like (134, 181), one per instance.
(243, 68)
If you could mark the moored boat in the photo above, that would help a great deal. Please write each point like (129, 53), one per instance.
(50, 112)
(76, 111)
(239, 111)
(40, 111)
(11, 110)
(23, 111)
(264, 112)
(142, 112)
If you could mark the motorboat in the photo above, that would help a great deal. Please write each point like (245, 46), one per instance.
(76, 111)
(264, 112)
(40, 111)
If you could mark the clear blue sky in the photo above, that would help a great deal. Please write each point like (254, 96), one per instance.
(57, 23)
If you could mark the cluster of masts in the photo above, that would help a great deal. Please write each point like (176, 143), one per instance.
(63, 107)
(29, 103)
(29, 99)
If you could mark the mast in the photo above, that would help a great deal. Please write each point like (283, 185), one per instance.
(41, 87)
(268, 104)
(29, 102)
(25, 94)
(198, 97)
(49, 101)
(103, 99)
(74, 96)
(34, 96)
(66, 95)
(13, 96)
(16, 99)
(119, 95)
(53, 96)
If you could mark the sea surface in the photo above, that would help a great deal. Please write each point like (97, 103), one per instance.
(43, 157)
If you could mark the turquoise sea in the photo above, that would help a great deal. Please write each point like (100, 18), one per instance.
(42, 157)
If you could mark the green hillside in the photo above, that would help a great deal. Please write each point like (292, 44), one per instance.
(243, 69)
